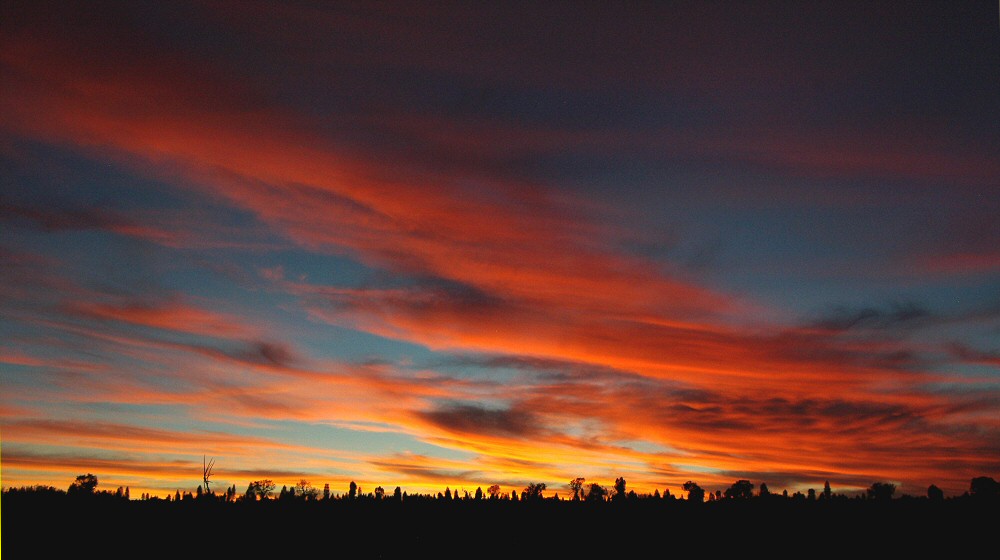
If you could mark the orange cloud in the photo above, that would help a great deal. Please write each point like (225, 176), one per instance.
(174, 316)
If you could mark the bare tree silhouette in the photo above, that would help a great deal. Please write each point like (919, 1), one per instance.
(206, 472)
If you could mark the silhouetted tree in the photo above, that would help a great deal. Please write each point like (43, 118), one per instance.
(513, 495)
(126, 493)
(934, 493)
(198, 491)
(261, 489)
(493, 491)
(85, 484)
(447, 493)
(741, 489)
(881, 491)
(479, 493)
(379, 492)
(206, 473)
(534, 491)
(656, 493)
(811, 495)
(764, 490)
(352, 490)
(827, 492)
(576, 485)
(397, 494)
(326, 491)
(983, 487)
(619, 488)
(305, 490)
(597, 493)
(695, 493)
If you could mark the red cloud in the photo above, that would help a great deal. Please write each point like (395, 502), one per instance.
(171, 316)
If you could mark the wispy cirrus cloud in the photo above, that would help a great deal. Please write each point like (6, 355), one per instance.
(174, 316)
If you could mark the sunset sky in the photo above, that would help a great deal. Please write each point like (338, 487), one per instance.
(450, 245)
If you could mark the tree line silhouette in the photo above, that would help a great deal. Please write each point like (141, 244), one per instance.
(85, 485)
(588, 519)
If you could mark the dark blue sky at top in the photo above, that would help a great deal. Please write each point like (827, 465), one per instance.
(683, 114)
(715, 129)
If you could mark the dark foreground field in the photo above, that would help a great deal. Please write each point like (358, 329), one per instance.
(41, 526)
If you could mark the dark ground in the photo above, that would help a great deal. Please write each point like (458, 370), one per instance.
(42, 526)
